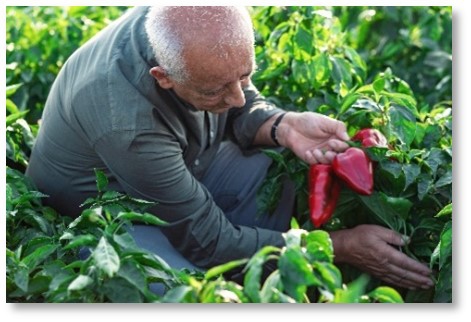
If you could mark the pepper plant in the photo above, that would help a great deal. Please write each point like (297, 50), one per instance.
(52, 258)
(310, 61)
(383, 68)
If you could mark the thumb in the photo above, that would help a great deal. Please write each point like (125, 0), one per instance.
(341, 131)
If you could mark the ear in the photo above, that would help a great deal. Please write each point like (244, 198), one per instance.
(161, 76)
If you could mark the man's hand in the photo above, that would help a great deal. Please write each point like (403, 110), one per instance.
(313, 137)
(371, 249)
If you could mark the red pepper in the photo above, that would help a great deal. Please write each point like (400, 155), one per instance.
(324, 191)
(370, 137)
(355, 168)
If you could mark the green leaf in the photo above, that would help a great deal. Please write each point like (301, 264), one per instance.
(411, 172)
(79, 283)
(443, 288)
(126, 241)
(146, 217)
(435, 159)
(378, 85)
(177, 294)
(341, 71)
(378, 204)
(402, 124)
(38, 256)
(328, 275)
(435, 257)
(295, 273)
(444, 180)
(275, 156)
(300, 70)
(112, 195)
(21, 278)
(392, 167)
(424, 183)
(268, 195)
(319, 247)
(223, 268)
(447, 210)
(367, 105)
(80, 241)
(106, 258)
(30, 196)
(404, 101)
(101, 180)
(385, 294)
(402, 206)
(14, 117)
(11, 89)
(358, 63)
(348, 101)
(270, 286)
(89, 218)
(252, 277)
(293, 237)
(11, 107)
(294, 224)
(130, 271)
(61, 281)
(303, 39)
(321, 69)
(446, 244)
(38, 285)
(431, 224)
(353, 292)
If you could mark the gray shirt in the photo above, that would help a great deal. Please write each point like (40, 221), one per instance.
(105, 111)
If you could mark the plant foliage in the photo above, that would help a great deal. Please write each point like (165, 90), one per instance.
(387, 68)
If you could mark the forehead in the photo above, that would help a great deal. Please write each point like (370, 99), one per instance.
(218, 66)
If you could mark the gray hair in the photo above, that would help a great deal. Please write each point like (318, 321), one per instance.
(169, 29)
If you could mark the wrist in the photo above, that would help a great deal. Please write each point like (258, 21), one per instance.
(275, 128)
(282, 129)
(339, 243)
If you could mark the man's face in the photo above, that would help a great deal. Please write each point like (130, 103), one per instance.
(215, 83)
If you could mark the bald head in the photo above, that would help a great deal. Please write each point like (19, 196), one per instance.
(173, 32)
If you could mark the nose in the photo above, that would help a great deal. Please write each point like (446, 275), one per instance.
(235, 96)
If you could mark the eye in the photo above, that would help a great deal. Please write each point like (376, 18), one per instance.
(245, 79)
(213, 93)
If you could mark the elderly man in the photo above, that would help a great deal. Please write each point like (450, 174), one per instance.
(161, 100)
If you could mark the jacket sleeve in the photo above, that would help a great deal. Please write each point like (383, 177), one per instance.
(244, 123)
(197, 227)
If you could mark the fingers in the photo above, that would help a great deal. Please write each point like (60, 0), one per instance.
(319, 156)
(409, 279)
(406, 272)
(332, 126)
(390, 236)
(338, 145)
(402, 273)
(405, 262)
(327, 154)
(341, 131)
(388, 263)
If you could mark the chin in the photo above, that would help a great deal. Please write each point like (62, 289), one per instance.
(221, 110)
(215, 109)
